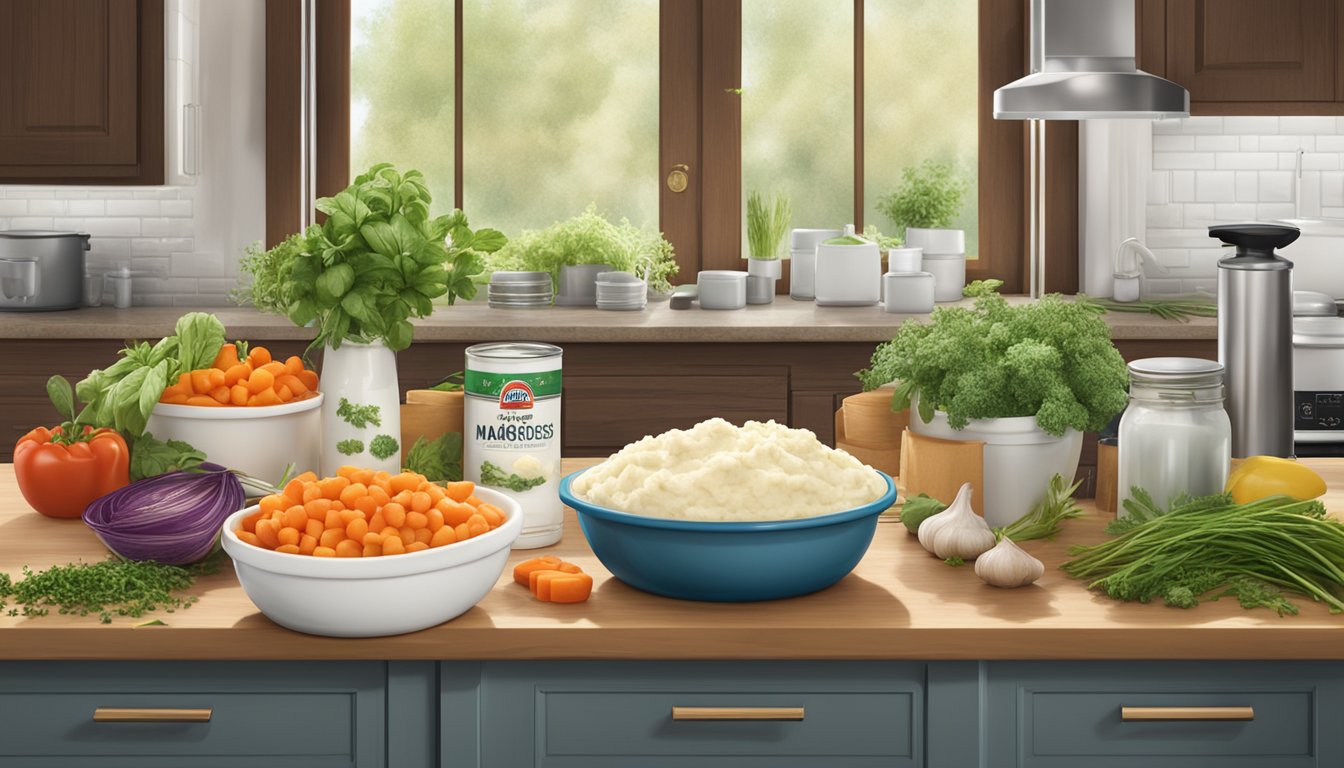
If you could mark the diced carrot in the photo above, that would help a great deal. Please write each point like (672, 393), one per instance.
(227, 357)
(331, 537)
(178, 399)
(473, 500)
(266, 397)
(442, 537)
(294, 491)
(357, 528)
(417, 520)
(249, 537)
(403, 498)
(416, 546)
(203, 400)
(289, 549)
(349, 548)
(537, 578)
(221, 394)
(406, 481)
(393, 545)
(394, 514)
(373, 550)
(407, 534)
(260, 381)
(492, 514)
(324, 552)
(435, 520)
(250, 522)
(462, 532)
(317, 508)
(569, 588)
(258, 356)
(378, 493)
(238, 394)
(459, 491)
(352, 493)
(288, 535)
(307, 544)
(236, 373)
(455, 514)
(367, 505)
(309, 379)
(200, 381)
(266, 534)
(362, 476)
(346, 470)
(332, 487)
(314, 528)
(293, 365)
(296, 517)
(310, 492)
(276, 369)
(307, 477)
(543, 563)
(295, 386)
(216, 378)
(284, 394)
(423, 535)
(333, 519)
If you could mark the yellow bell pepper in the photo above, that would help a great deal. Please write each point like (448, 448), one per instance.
(1259, 477)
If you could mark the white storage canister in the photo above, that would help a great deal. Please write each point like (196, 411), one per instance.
(908, 292)
(944, 258)
(722, 289)
(1175, 436)
(511, 431)
(905, 260)
(803, 253)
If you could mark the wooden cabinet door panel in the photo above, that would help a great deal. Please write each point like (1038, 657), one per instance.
(81, 90)
(1254, 50)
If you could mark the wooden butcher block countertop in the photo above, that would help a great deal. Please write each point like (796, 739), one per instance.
(899, 603)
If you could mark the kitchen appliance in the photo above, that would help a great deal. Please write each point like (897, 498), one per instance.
(1255, 335)
(1082, 67)
(1318, 375)
(41, 270)
(849, 274)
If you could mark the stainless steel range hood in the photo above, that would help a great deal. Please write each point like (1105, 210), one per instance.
(1082, 64)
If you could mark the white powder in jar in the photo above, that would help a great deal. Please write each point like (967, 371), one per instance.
(716, 471)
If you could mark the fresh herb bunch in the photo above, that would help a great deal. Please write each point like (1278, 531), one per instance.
(929, 196)
(122, 395)
(1210, 547)
(1042, 522)
(1052, 359)
(106, 588)
(493, 475)
(917, 509)
(379, 260)
(267, 268)
(1167, 309)
(767, 225)
(871, 232)
(359, 416)
(438, 459)
(589, 238)
(383, 446)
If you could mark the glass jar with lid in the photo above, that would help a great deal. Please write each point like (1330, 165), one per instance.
(1175, 436)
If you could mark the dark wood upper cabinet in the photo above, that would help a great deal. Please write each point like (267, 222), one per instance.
(81, 91)
(1278, 57)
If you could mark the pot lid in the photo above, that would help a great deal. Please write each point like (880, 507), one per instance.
(1176, 371)
(1318, 331)
(34, 234)
(1082, 66)
(721, 276)
(1313, 304)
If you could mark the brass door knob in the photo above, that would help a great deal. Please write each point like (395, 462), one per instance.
(679, 178)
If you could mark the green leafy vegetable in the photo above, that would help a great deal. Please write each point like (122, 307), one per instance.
(151, 457)
(1052, 359)
(266, 291)
(492, 475)
(122, 395)
(589, 238)
(919, 508)
(377, 261)
(383, 446)
(1167, 309)
(1042, 522)
(871, 232)
(767, 225)
(106, 588)
(359, 416)
(453, 382)
(350, 447)
(954, 561)
(437, 459)
(929, 196)
(1210, 547)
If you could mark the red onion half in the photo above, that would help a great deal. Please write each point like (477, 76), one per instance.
(174, 518)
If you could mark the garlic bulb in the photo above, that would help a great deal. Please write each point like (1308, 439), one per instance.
(957, 531)
(1008, 565)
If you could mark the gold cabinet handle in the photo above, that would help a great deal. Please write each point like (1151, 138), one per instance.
(679, 178)
(120, 715)
(737, 713)
(1159, 714)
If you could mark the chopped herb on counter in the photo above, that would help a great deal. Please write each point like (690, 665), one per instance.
(383, 446)
(107, 588)
(1042, 522)
(350, 447)
(359, 416)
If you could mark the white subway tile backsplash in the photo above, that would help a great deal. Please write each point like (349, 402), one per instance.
(150, 300)
(1224, 213)
(47, 207)
(24, 192)
(132, 207)
(1172, 258)
(165, 227)
(1247, 161)
(1286, 143)
(1215, 186)
(1165, 216)
(1332, 190)
(1268, 211)
(197, 265)
(1320, 161)
(1307, 124)
(114, 227)
(1248, 143)
(1260, 125)
(13, 208)
(1182, 186)
(1212, 143)
(1198, 215)
(1183, 160)
(1161, 127)
(175, 208)
(1202, 125)
(1159, 187)
(87, 208)
(31, 222)
(1248, 186)
(1276, 187)
(1176, 143)
(1330, 143)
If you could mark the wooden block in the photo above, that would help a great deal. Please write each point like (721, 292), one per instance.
(869, 420)
(1108, 484)
(886, 458)
(430, 414)
(938, 467)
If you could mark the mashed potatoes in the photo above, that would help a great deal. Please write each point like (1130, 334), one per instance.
(719, 472)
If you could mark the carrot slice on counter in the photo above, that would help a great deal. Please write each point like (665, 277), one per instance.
(540, 582)
(569, 588)
(523, 570)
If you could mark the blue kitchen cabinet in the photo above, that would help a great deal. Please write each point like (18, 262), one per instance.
(1066, 714)
(261, 714)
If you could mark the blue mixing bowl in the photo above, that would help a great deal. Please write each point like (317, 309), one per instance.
(728, 562)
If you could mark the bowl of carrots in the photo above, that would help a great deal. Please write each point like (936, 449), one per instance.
(368, 554)
(253, 414)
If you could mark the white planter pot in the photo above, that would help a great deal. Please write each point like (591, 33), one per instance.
(1020, 459)
(363, 376)
(771, 268)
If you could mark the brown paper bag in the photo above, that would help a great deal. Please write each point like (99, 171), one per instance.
(429, 413)
(938, 467)
(886, 458)
(870, 422)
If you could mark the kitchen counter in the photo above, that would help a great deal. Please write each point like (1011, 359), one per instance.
(899, 603)
(784, 320)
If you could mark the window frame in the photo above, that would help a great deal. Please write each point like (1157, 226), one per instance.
(700, 57)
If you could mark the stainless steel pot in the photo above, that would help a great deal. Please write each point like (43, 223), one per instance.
(41, 270)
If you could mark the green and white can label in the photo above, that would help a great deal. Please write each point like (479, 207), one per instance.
(512, 431)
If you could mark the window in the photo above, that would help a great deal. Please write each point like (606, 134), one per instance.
(524, 111)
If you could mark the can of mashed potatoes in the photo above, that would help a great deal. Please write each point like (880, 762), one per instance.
(511, 439)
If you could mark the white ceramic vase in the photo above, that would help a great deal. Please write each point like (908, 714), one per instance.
(769, 268)
(361, 410)
(1020, 459)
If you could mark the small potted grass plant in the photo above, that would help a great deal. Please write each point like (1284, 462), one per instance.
(767, 224)
(923, 209)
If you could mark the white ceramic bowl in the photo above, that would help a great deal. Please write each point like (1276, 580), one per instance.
(260, 441)
(374, 596)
